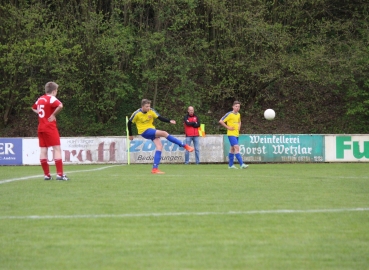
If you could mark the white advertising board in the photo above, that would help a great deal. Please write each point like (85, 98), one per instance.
(80, 150)
(142, 150)
(347, 148)
(96, 150)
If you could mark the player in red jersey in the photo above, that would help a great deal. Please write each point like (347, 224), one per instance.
(47, 107)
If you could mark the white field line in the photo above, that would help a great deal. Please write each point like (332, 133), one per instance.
(252, 212)
(41, 176)
(179, 175)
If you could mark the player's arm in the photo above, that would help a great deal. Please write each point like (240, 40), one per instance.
(132, 119)
(163, 119)
(34, 108)
(225, 125)
(130, 129)
(222, 123)
(57, 110)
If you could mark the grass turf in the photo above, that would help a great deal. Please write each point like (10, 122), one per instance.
(192, 217)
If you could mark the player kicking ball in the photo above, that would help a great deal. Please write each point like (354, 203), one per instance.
(144, 119)
(232, 122)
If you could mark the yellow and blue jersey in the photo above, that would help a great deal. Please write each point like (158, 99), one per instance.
(232, 120)
(143, 120)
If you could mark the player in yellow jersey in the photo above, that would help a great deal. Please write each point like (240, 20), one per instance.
(144, 120)
(232, 122)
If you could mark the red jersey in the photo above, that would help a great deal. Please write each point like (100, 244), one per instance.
(191, 125)
(46, 105)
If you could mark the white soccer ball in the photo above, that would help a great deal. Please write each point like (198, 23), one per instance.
(269, 114)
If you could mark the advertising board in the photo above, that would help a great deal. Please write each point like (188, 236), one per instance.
(80, 150)
(11, 151)
(347, 148)
(279, 148)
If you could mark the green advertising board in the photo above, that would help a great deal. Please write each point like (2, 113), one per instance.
(279, 148)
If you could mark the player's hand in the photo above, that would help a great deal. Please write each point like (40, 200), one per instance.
(173, 122)
(131, 138)
(230, 128)
(51, 118)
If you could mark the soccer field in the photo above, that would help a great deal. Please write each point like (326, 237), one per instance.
(269, 216)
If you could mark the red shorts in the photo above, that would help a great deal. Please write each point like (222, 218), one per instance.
(49, 138)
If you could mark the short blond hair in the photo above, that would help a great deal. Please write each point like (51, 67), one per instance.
(51, 86)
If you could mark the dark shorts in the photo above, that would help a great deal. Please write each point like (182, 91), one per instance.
(233, 140)
(149, 134)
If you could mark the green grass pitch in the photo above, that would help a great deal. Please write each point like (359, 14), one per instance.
(269, 216)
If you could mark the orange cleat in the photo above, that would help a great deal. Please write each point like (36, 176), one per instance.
(188, 148)
(156, 171)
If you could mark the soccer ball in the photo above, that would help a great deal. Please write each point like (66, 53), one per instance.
(269, 114)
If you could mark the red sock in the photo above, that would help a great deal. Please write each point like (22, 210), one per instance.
(45, 166)
(59, 166)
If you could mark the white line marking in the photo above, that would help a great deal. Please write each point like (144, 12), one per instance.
(178, 175)
(253, 212)
(41, 176)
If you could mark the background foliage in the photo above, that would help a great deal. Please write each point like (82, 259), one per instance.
(308, 60)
